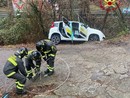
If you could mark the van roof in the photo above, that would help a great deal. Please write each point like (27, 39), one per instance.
(69, 21)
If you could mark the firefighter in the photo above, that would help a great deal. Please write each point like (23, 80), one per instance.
(14, 68)
(36, 57)
(48, 51)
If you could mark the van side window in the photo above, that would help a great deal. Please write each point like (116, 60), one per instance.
(61, 29)
(75, 28)
(85, 26)
(55, 24)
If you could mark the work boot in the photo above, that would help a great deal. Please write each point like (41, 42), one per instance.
(47, 71)
(21, 92)
(51, 73)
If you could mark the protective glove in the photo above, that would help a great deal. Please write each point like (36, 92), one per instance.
(29, 76)
(37, 70)
(45, 58)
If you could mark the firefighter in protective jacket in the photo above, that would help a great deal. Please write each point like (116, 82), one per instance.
(48, 51)
(36, 57)
(14, 68)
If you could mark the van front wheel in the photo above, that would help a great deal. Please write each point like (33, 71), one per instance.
(93, 37)
(55, 39)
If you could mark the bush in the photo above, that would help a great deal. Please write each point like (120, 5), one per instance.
(2, 32)
(29, 27)
(5, 23)
(18, 30)
(8, 37)
(14, 33)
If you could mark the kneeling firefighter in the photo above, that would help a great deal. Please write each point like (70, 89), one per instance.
(14, 68)
(36, 57)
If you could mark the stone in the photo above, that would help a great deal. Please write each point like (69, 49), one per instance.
(124, 85)
(113, 93)
(97, 75)
(68, 97)
(92, 90)
(46, 96)
(120, 68)
(108, 71)
(123, 76)
(126, 95)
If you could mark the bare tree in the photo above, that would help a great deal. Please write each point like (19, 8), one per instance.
(85, 7)
(10, 8)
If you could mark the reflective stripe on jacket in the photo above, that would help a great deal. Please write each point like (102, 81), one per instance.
(13, 65)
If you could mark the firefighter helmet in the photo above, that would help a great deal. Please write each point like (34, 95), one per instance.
(22, 52)
(40, 45)
(36, 55)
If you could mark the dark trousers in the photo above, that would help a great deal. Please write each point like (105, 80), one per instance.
(29, 64)
(50, 61)
(20, 81)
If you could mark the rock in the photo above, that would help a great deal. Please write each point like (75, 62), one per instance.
(33, 90)
(126, 95)
(123, 76)
(97, 75)
(124, 85)
(108, 71)
(67, 89)
(113, 93)
(46, 96)
(68, 97)
(101, 96)
(120, 68)
(91, 91)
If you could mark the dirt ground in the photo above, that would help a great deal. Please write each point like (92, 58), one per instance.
(85, 70)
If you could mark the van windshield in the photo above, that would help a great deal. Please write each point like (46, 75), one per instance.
(86, 26)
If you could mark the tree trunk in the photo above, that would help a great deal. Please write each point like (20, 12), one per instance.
(105, 19)
(10, 8)
(71, 9)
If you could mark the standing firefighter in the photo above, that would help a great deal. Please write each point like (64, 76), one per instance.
(14, 68)
(48, 51)
(36, 57)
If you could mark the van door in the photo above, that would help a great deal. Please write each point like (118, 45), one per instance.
(83, 30)
(75, 30)
(67, 28)
(62, 31)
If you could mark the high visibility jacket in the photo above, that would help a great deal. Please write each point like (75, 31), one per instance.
(49, 49)
(29, 61)
(13, 65)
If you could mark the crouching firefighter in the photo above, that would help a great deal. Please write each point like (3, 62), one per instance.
(14, 68)
(36, 57)
(48, 51)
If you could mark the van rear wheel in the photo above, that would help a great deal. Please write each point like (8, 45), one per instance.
(55, 39)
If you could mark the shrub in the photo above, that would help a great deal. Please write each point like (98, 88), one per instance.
(14, 33)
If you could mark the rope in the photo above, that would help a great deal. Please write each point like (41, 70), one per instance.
(49, 91)
(66, 77)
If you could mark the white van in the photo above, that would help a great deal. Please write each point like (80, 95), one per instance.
(74, 31)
